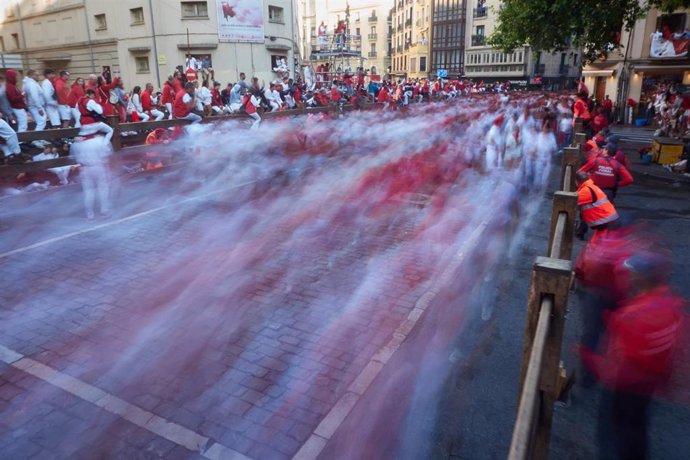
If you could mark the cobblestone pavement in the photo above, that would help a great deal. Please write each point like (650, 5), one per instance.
(245, 323)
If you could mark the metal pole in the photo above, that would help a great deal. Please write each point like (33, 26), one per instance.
(88, 37)
(155, 48)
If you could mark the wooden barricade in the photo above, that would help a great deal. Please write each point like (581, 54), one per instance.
(541, 376)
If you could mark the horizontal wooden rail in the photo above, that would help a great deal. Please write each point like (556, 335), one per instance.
(559, 235)
(530, 403)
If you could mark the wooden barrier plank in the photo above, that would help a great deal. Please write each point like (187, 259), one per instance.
(571, 157)
(563, 203)
(550, 277)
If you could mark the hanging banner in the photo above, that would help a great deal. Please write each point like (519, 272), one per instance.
(240, 20)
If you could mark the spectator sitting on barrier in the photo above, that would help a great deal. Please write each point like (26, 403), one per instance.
(274, 99)
(5, 109)
(217, 105)
(204, 98)
(134, 108)
(149, 102)
(184, 103)
(168, 95)
(249, 104)
(9, 143)
(76, 93)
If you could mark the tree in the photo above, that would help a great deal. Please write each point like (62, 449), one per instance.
(551, 25)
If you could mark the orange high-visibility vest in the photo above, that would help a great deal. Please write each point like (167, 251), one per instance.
(596, 207)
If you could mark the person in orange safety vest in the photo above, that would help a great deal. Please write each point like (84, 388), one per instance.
(596, 211)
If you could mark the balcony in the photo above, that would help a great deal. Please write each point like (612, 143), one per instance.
(408, 23)
(481, 12)
(539, 69)
(373, 37)
(372, 54)
(373, 18)
(564, 69)
(478, 40)
(399, 49)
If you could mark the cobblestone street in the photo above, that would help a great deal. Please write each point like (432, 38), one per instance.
(245, 319)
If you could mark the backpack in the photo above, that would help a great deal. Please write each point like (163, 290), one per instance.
(113, 99)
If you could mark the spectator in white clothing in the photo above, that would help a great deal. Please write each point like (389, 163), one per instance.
(9, 143)
(35, 102)
(51, 103)
(204, 97)
(135, 106)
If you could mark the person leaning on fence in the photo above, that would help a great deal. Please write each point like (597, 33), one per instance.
(62, 96)
(16, 100)
(184, 103)
(596, 211)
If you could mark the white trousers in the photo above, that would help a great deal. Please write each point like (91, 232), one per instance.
(76, 115)
(193, 117)
(11, 145)
(257, 120)
(168, 106)
(143, 116)
(53, 115)
(95, 183)
(65, 112)
(38, 118)
(157, 115)
(94, 128)
(22, 120)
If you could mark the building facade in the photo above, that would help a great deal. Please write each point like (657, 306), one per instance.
(410, 25)
(654, 54)
(145, 40)
(523, 66)
(447, 38)
(366, 30)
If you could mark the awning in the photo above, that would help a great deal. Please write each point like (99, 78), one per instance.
(197, 46)
(661, 68)
(597, 73)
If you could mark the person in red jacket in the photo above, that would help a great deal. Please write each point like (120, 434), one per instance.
(168, 95)
(607, 109)
(147, 103)
(581, 109)
(643, 333)
(16, 100)
(76, 93)
(184, 103)
(607, 173)
(62, 95)
(600, 121)
(102, 95)
(335, 94)
(216, 101)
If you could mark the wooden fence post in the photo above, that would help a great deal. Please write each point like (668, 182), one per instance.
(564, 202)
(580, 139)
(550, 277)
(114, 122)
(579, 125)
(571, 156)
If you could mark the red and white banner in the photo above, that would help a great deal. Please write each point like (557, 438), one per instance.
(240, 20)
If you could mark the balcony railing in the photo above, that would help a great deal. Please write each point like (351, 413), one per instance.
(478, 40)
(373, 18)
(564, 69)
(373, 36)
(372, 54)
(539, 69)
(480, 12)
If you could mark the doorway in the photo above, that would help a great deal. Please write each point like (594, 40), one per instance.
(600, 89)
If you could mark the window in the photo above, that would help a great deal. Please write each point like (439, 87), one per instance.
(413, 64)
(194, 10)
(142, 64)
(15, 41)
(480, 30)
(275, 14)
(276, 59)
(137, 16)
(373, 30)
(422, 64)
(101, 23)
(357, 33)
(373, 48)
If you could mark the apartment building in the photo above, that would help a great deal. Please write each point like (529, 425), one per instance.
(654, 54)
(145, 40)
(410, 23)
(366, 30)
(524, 66)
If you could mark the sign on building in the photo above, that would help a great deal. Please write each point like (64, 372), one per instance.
(442, 73)
(240, 20)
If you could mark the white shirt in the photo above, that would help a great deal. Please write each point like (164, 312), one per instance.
(48, 92)
(94, 107)
(187, 98)
(191, 63)
(204, 95)
(34, 94)
(136, 102)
